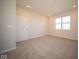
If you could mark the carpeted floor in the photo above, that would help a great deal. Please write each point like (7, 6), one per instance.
(46, 47)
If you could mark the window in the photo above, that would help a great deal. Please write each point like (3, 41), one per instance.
(58, 23)
(63, 23)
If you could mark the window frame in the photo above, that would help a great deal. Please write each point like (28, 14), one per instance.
(63, 23)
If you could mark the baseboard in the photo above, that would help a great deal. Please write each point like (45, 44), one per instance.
(63, 37)
(31, 37)
(4, 51)
(36, 36)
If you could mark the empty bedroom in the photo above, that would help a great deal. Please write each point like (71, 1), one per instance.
(38, 29)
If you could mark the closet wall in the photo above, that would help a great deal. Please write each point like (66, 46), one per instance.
(29, 25)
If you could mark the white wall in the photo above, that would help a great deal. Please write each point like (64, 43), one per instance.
(72, 34)
(7, 25)
(37, 24)
(22, 32)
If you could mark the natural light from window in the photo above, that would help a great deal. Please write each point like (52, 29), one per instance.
(63, 23)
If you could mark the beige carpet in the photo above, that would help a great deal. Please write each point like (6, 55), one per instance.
(46, 47)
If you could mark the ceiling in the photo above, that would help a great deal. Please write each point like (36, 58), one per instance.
(45, 7)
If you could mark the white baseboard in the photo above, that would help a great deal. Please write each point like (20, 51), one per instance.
(63, 37)
(7, 50)
(35, 36)
(31, 37)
